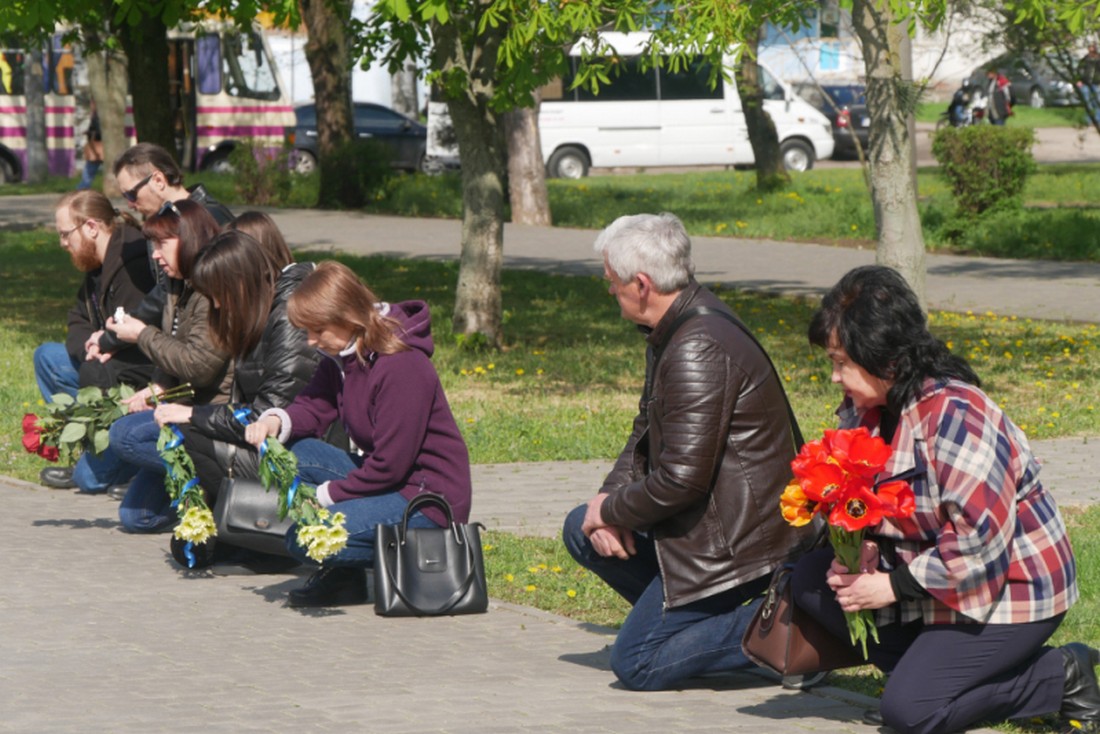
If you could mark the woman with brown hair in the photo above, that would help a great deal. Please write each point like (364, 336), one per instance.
(378, 382)
(263, 229)
(271, 359)
(181, 350)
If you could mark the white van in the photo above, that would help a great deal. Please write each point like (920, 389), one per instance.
(660, 118)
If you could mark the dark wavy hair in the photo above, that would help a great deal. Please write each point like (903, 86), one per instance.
(874, 314)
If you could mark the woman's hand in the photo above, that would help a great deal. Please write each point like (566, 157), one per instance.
(172, 413)
(858, 591)
(258, 432)
(128, 331)
(868, 589)
(137, 402)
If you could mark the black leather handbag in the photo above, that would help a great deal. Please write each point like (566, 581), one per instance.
(247, 515)
(426, 572)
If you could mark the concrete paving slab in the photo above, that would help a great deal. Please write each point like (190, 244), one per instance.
(99, 631)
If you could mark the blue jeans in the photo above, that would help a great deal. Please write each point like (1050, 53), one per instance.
(95, 474)
(320, 462)
(658, 647)
(146, 508)
(55, 371)
(91, 168)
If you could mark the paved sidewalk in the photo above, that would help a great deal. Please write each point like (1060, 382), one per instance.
(99, 631)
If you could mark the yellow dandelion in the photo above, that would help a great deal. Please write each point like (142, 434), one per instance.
(509, 577)
(520, 371)
(571, 593)
(530, 587)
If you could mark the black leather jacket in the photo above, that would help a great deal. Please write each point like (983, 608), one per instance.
(269, 376)
(708, 459)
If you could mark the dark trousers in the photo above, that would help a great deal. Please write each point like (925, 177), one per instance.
(945, 677)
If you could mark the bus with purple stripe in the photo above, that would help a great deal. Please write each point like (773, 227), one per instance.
(227, 90)
(59, 112)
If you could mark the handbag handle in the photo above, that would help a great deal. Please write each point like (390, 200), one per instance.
(428, 498)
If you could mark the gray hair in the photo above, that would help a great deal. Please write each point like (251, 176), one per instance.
(654, 244)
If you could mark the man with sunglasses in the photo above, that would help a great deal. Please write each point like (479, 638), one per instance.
(149, 177)
(112, 254)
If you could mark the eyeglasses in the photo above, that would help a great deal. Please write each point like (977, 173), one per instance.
(63, 234)
(169, 206)
(131, 194)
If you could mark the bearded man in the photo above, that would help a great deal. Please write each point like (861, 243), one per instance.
(111, 252)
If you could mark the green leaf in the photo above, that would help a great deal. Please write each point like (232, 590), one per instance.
(101, 441)
(62, 399)
(73, 432)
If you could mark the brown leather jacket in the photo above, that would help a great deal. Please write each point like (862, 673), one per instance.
(708, 458)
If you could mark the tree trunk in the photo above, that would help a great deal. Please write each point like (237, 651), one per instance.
(526, 171)
(458, 45)
(38, 164)
(891, 100)
(107, 77)
(146, 46)
(403, 91)
(770, 173)
(329, 59)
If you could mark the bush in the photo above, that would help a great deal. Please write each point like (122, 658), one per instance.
(986, 165)
(354, 174)
(261, 176)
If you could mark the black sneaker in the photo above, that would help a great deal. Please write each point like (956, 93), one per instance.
(332, 587)
(57, 477)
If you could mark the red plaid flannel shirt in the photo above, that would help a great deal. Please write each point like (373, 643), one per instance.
(986, 540)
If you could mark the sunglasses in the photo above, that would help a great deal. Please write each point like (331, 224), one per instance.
(131, 194)
(168, 206)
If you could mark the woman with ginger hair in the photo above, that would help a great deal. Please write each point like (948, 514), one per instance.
(377, 379)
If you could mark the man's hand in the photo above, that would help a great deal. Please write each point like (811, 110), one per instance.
(613, 541)
(607, 540)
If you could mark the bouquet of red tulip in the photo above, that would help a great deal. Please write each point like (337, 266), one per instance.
(835, 477)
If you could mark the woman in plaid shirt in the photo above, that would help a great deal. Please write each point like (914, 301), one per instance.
(970, 587)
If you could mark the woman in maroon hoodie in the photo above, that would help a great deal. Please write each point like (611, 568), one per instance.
(379, 382)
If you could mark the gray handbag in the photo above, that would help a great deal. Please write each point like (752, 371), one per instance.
(426, 572)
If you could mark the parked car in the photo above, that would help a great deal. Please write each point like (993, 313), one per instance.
(847, 112)
(1032, 80)
(405, 138)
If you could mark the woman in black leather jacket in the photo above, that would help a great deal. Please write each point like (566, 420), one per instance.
(248, 288)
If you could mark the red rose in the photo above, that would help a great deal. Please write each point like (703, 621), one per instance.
(49, 453)
(32, 434)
